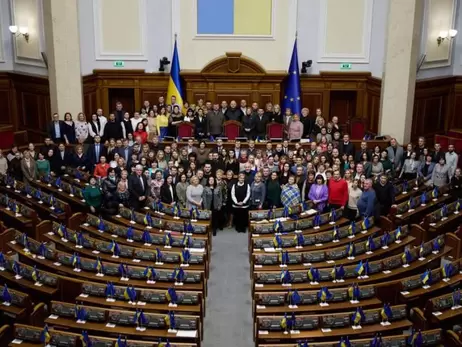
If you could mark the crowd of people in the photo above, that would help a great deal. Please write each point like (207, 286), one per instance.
(130, 162)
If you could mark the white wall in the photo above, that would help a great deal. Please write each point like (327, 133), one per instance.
(439, 15)
(156, 23)
(312, 35)
(6, 45)
(457, 43)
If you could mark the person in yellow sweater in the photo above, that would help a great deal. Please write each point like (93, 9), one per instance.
(162, 123)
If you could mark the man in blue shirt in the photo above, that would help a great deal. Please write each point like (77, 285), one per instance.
(55, 129)
(367, 201)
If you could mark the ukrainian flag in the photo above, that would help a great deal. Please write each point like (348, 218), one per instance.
(45, 336)
(174, 83)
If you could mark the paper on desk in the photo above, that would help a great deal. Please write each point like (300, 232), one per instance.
(186, 333)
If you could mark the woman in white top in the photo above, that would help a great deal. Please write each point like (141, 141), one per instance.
(81, 128)
(95, 127)
(135, 120)
(194, 193)
(354, 194)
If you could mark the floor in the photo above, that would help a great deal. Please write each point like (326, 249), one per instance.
(228, 321)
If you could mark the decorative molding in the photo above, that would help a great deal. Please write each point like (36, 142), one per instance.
(39, 36)
(441, 62)
(293, 27)
(232, 36)
(176, 21)
(109, 56)
(362, 58)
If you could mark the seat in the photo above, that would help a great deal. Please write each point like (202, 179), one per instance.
(232, 129)
(185, 129)
(358, 128)
(275, 130)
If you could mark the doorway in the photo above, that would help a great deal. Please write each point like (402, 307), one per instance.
(342, 105)
(125, 95)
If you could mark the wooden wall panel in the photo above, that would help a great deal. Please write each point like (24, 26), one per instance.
(312, 100)
(457, 121)
(5, 111)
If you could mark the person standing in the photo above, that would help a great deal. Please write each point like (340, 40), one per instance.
(295, 128)
(451, 160)
(240, 195)
(215, 120)
(212, 199)
(194, 194)
(56, 129)
(354, 193)
(260, 124)
(319, 194)
(338, 191)
(28, 167)
(138, 188)
(257, 193)
(92, 195)
(367, 201)
(81, 128)
(395, 155)
(440, 175)
(385, 194)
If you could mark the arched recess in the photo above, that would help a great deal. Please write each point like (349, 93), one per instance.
(233, 77)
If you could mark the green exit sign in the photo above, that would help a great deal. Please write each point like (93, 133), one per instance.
(119, 63)
(345, 66)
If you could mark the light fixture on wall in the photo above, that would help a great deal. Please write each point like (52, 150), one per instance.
(444, 34)
(17, 31)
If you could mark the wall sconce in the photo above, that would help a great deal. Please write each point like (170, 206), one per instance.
(16, 31)
(446, 35)
(306, 65)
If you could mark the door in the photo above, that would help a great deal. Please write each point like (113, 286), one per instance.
(342, 105)
(125, 95)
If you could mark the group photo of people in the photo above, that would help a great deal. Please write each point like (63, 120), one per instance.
(129, 160)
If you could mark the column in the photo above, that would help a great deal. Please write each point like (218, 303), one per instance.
(63, 50)
(400, 65)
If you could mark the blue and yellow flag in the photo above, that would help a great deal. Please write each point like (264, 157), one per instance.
(86, 342)
(294, 298)
(447, 270)
(120, 342)
(415, 339)
(358, 317)
(98, 265)
(360, 268)
(283, 322)
(457, 207)
(185, 256)
(174, 83)
(386, 313)
(324, 294)
(164, 344)
(170, 320)
(406, 257)
(147, 220)
(285, 276)
(351, 249)
(352, 229)
(426, 278)
(110, 290)
(277, 241)
(35, 274)
(398, 233)
(344, 342)
(75, 260)
(168, 240)
(365, 224)
(101, 225)
(300, 239)
(45, 336)
(149, 273)
(62, 231)
(146, 237)
(171, 295)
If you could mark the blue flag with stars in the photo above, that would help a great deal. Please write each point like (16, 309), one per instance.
(292, 90)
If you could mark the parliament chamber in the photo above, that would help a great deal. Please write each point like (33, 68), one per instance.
(140, 139)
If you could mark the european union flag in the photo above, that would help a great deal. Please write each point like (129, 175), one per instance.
(114, 248)
(354, 293)
(170, 320)
(16, 268)
(171, 296)
(294, 298)
(285, 276)
(376, 341)
(122, 270)
(333, 215)
(313, 275)
(186, 242)
(101, 226)
(358, 317)
(45, 336)
(292, 90)
(435, 193)
(110, 290)
(62, 231)
(270, 214)
(437, 244)
(130, 233)
(58, 182)
(351, 249)
(423, 199)
(98, 265)
(277, 241)
(86, 342)
(147, 220)
(149, 273)
(456, 298)
(398, 233)
(38, 194)
(386, 313)
(406, 257)
(6, 296)
(25, 240)
(317, 220)
(385, 239)
(146, 237)
(35, 274)
(277, 226)
(370, 245)
(168, 240)
(344, 342)
(324, 294)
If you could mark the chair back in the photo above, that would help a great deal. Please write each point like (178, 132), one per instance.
(185, 129)
(275, 130)
(232, 129)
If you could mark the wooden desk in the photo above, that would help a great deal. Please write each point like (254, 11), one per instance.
(66, 271)
(70, 247)
(28, 286)
(416, 215)
(76, 203)
(367, 330)
(374, 231)
(150, 334)
(376, 254)
(434, 287)
(378, 278)
(20, 222)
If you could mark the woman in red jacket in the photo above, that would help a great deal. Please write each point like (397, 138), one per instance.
(141, 132)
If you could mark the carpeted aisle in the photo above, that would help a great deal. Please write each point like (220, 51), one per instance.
(228, 321)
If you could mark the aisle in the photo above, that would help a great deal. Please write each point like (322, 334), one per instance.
(229, 317)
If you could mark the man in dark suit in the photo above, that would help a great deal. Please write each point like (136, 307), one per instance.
(138, 187)
(119, 112)
(346, 146)
(47, 146)
(126, 152)
(260, 124)
(364, 149)
(61, 160)
(56, 129)
(112, 129)
(96, 151)
(200, 123)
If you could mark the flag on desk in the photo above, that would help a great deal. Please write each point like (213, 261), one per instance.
(16, 268)
(99, 265)
(398, 233)
(6, 296)
(120, 342)
(2, 259)
(294, 297)
(171, 295)
(426, 278)
(101, 225)
(386, 313)
(185, 256)
(344, 342)
(174, 83)
(130, 233)
(110, 290)
(114, 248)
(178, 275)
(25, 240)
(35, 274)
(170, 320)
(164, 344)
(415, 339)
(62, 231)
(146, 237)
(292, 85)
(435, 193)
(376, 341)
(86, 342)
(447, 270)
(150, 273)
(358, 317)
(58, 182)
(437, 243)
(45, 336)
(354, 293)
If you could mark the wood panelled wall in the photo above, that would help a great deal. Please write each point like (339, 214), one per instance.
(25, 101)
